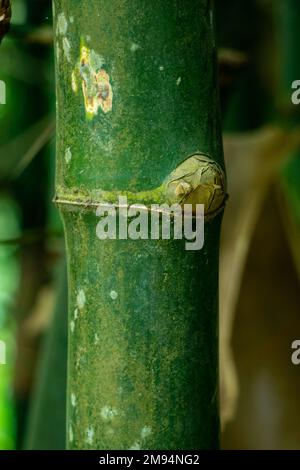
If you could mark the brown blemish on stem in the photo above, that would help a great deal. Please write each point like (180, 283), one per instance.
(95, 81)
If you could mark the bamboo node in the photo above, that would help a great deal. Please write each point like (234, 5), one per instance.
(198, 180)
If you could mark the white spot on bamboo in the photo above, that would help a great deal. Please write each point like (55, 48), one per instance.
(71, 436)
(62, 24)
(135, 446)
(96, 338)
(96, 60)
(72, 326)
(90, 435)
(134, 47)
(73, 399)
(68, 155)
(57, 52)
(74, 82)
(145, 432)
(75, 314)
(66, 47)
(81, 299)
(178, 81)
(113, 294)
(161, 67)
(71, 19)
(108, 413)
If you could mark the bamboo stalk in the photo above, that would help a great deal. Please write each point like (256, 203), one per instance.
(137, 96)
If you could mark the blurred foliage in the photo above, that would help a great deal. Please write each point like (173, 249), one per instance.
(47, 420)
(9, 283)
(27, 151)
(262, 152)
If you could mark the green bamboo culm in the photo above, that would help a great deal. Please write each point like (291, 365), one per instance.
(136, 98)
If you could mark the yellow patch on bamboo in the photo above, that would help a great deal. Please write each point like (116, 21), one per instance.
(95, 82)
